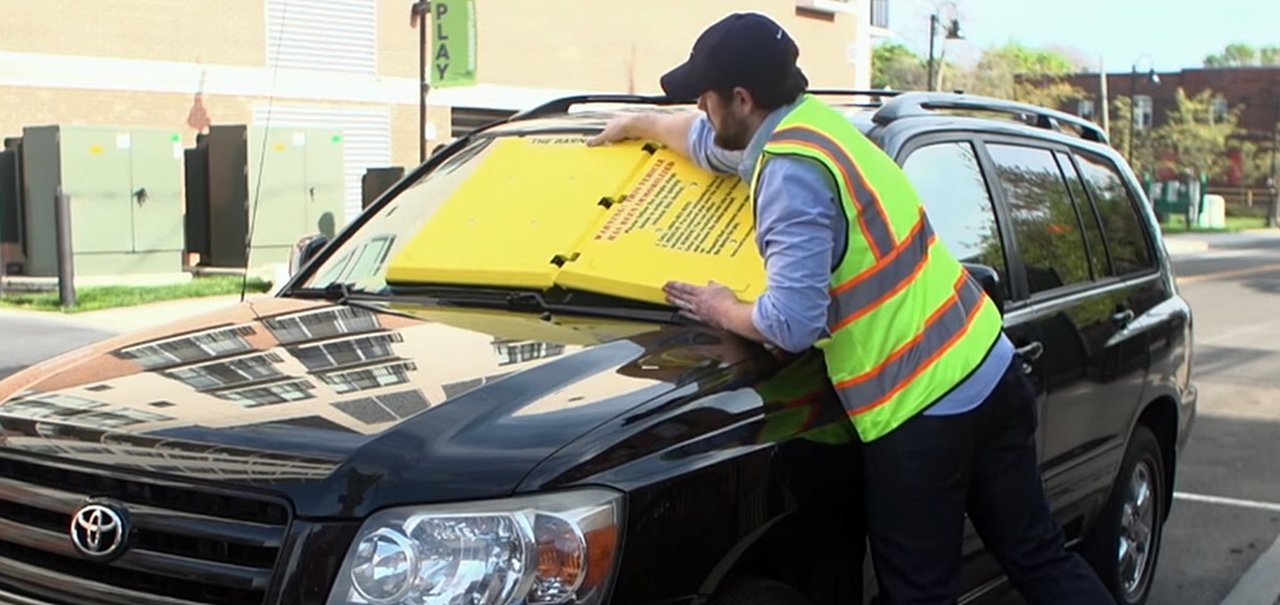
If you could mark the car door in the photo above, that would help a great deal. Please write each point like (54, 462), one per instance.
(1078, 311)
(946, 171)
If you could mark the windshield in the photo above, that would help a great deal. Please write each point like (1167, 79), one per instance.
(539, 211)
(361, 261)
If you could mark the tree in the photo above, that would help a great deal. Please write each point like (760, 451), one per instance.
(1020, 73)
(1142, 155)
(1244, 55)
(1194, 139)
(895, 66)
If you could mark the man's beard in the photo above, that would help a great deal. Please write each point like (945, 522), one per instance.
(731, 134)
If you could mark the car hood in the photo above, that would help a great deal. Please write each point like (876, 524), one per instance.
(344, 408)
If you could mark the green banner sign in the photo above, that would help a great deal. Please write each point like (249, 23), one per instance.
(453, 43)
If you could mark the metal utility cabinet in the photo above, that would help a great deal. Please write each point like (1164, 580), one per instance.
(125, 187)
(298, 187)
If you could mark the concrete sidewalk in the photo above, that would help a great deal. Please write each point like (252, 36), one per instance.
(1180, 244)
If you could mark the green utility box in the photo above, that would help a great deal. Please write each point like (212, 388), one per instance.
(297, 185)
(125, 187)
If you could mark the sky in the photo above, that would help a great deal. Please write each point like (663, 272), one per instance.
(1165, 34)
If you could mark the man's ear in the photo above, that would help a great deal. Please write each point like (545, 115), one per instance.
(742, 97)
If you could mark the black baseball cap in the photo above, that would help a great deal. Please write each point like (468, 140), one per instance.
(743, 49)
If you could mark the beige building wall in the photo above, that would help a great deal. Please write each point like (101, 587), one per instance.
(626, 46)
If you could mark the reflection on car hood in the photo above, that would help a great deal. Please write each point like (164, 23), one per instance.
(288, 394)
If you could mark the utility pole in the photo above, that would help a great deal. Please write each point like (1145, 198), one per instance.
(933, 28)
(1104, 97)
(421, 13)
(1274, 210)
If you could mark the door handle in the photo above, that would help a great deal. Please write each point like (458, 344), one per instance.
(1030, 353)
(312, 193)
(1123, 317)
(141, 195)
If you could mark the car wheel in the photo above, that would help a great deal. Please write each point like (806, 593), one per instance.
(757, 591)
(1125, 541)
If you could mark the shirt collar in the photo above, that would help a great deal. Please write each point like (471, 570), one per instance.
(751, 156)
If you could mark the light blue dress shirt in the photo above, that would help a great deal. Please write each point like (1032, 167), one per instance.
(801, 233)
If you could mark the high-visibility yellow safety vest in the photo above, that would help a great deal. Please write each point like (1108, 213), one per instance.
(907, 324)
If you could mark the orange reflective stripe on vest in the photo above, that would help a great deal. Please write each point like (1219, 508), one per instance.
(944, 327)
(871, 215)
(862, 293)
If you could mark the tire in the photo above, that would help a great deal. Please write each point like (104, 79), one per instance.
(1124, 544)
(757, 591)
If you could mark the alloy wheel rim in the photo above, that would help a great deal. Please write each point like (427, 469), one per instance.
(1137, 529)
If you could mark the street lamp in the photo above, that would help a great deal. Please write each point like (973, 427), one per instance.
(953, 33)
(1154, 78)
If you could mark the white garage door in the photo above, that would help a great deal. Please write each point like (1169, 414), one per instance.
(366, 134)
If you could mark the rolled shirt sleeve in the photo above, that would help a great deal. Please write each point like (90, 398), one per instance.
(800, 232)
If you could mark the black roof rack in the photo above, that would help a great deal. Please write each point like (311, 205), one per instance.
(920, 103)
(562, 105)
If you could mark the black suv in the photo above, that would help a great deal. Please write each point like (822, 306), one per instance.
(347, 442)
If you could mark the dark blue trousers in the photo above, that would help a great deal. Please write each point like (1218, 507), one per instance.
(924, 476)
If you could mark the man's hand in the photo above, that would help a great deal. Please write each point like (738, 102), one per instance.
(618, 129)
(671, 129)
(715, 305)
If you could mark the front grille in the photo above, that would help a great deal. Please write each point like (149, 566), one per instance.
(188, 545)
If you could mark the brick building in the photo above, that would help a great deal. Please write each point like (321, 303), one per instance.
(352, 64)
(1254, 89)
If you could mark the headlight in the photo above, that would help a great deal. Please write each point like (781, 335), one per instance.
(541, 550)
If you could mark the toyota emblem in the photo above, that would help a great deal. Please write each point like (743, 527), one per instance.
(99, 530)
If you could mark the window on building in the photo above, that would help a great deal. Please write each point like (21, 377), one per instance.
(322, 324)
(1085, 109)
(227, 373)
(519, 351)
(1220, 110)
(271, 394)
(338, 353)
(950, 183)
(370, 378)
(323, 35)
(189, 348)
(880, 13)
(1144, 112)
(1044, 220)
(1130, 249)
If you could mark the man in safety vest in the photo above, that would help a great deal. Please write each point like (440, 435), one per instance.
(914, 348)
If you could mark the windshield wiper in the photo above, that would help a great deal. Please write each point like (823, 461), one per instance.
(536, 302)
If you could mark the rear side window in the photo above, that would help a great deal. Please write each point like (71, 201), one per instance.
(1130, 250)
(1092, 229)
(1044, 219)
(950, 184)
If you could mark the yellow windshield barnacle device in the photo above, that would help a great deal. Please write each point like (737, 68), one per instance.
(622, 220)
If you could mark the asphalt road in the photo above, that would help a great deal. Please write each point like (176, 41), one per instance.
(1227, 512)
(26, 339)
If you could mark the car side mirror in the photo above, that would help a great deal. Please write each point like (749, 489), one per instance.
(989, 279)
(304, 250)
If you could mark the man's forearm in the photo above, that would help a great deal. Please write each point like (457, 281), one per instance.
(671, 129)
(737, 319)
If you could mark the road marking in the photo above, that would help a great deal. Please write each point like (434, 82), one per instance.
(1254, 504)
(1226, 274)
(1261, 584)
